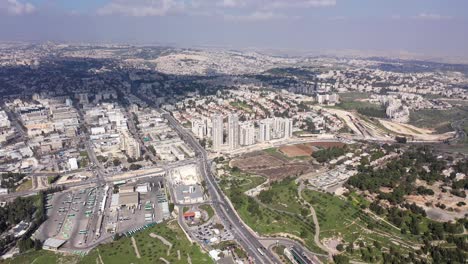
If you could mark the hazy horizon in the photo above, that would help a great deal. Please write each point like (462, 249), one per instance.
(429, 28)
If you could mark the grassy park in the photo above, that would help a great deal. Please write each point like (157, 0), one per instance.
(345, 220)
(151, 249)
(42, 257)
(244, 181)
(122, 251)
(269, 219)
(241, 105)
(283, 196)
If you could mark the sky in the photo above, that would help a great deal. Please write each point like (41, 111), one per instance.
(430, 27)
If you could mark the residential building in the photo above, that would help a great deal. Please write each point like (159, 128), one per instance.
(247, 134)
(265, 131)
(233, 131)
(217, 131)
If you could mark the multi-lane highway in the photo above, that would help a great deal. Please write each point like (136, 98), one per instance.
(225, 211)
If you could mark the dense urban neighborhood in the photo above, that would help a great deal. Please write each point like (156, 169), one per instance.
(152, 154)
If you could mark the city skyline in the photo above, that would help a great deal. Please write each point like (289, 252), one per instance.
(427, 28)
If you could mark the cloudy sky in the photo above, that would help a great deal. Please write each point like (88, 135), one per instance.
(438, 27)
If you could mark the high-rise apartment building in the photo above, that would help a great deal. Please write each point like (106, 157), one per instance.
(288, 128)
(217, 131)
(247, 134)
(265, 131)
(275, 128)
(233, 131)
(244, 133)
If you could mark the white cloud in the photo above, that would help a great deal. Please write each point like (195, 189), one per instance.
(141, 7)
(430, 16)
(15, 7)
(233, 3)
(249, 9)
(276, 4)
(256, 16)
(299, 3)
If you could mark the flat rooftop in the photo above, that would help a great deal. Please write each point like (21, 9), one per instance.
(128, 198)
(53, 243)
(190, 191)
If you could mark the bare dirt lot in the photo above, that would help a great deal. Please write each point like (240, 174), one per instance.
(272, 166)
(296, 150)
(429, 202)
(415, 132)
(308, 148)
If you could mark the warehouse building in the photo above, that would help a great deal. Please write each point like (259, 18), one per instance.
(53, 244)
(126, 189)
(129, 199)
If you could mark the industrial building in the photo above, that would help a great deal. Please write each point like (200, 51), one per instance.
(53, 244)
(126, 189)
(189, 194)
(129, 199)
(142, 188)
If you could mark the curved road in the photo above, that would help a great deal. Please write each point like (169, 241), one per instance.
(247, 238)
(460, 135)
(316, 222)
(248, 241)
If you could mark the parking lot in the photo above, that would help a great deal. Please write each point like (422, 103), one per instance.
(209, 233)
(72, 216)
(85, 217)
